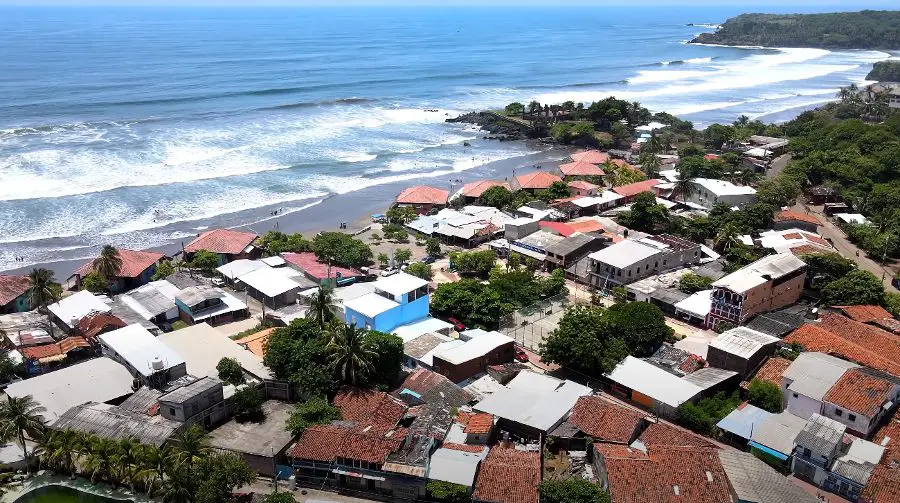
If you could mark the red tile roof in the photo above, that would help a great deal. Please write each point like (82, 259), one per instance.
(475, 189)
(665, 435)
(59, 348)
(134, 263)
(256, 343)
(770, 371)
(537, 180)
(464, 447)
(580, 168)
(888, 436)
(865, 314)
(479, 424)
(619, 451)
(308, 262)
(883, 486)
(806, 249)
(12, 287)
(815, 338)
(890, 324)
(605, 420)
(793, 235)
(591, 156)
(873, 338)
(788, 215)
(859, 392)
(563, 229)
(225, 241)
(325, 442)
(633, 189)
(423, 194)
(669, 476)
(94, 324)
(434, 387)
(816, 239)
(583, 185)
(509, 476)
(586, 226)
(320, 442)
(379, 410)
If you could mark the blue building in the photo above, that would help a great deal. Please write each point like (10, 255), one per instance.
(14, 294)
(397, 300)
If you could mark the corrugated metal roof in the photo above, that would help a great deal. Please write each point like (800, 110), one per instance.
(754, 480)
(109, 421)
(821, 434)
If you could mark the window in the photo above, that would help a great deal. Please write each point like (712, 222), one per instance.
(172, 411)
(838, 412)
(806, 452)
(629, 273)
(796, 395)
(851, 417)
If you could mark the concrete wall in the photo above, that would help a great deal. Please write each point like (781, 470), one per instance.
(801, 405)
(515, 232)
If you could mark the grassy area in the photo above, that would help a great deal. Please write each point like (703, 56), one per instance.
(250, 331)
(178, 325)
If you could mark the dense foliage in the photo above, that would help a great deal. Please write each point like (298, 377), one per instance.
(230, 371)
(885, 71)
(692, 283)
(844, 30)
(247, 403)
(765, 395)
(857, 287)
(275, 242)
(447, 492)
(572, 490)
(824, 268)
(702, 416)
(205, 260)
(420, 270)
(163, 270)
(592, 340)
(341, 249)
(315, 410)
(474, 263)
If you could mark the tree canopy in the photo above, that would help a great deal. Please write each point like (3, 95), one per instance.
(857, 287)
(765, 395)
(572, 490)
(341, 249)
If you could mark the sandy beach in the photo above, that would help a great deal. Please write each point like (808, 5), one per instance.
(354, 207)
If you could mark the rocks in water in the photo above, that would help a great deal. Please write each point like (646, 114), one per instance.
(500, 128)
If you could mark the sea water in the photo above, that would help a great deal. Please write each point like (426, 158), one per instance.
(136, 126)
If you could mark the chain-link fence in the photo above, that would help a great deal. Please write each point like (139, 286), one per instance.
(530, 325)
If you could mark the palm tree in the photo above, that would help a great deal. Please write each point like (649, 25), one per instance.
(43, 289)
(59, 448)
(349, 353)
(844, 94)
(653, 145)
(728, 235)
(177, 487)
(684, 186)
(109, 263)
(125, 462)
(100, 456)
(21, 417)
(321, 307)
(152, 465)
(650, 164)
(742, 121)
(192, 443)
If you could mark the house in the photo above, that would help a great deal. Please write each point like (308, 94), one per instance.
(711, 380)
(741, 349)
(872, 315)
(272, 287)
(858, 342)
(467, 227)
(98, 380)
(632, 189)
(788, 219)
(319, 271)
(149, 360)
(508, 475)
(788, 240)
(262, 444)
(114, 423)
(753, 481)
(69, 349)
(590, 156)
(634, 259)
(740, 423)
(462, 361)
(821, 194)
(426, 386)
(95, 324)
(770, 371)
(201, 401)
(422, 198)
(68, 311)
(564, 253)
(136, 270)
(860, 399)
(154, 302)
(519, 228)
(851, 218)
(14, 294)
(201, 346)
(605, 421)
(228, 244)
(583, 188)
(770, 283)
(708, 192)
(532, 404)
(650, 386)
(808, 378)
(576, 169)
(773, 439)
(231, 271)
(397, 300)
(455, 466)
(419, 350)
(256, 343)
(533, 182)
(198, 304)
(883, 485)
(472, 191)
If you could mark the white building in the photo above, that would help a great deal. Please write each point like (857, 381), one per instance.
(710, 191)
(143, 354)
(654, 388)
(633, 259)
(787, 239)
(68, 311)
(808, 379)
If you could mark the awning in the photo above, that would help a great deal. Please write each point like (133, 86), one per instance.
(357, 475)
(771, 452)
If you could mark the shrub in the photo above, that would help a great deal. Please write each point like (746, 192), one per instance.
(230, 371)
(765, 395)
(247, 404)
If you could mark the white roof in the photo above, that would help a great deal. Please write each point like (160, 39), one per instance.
(202, 347)
(852, 218)
(542, 406)
(416, 328)
(758, 152)
(742, 341)
(653, 381)
(70, 310)
(624, 253)
(229, 304)
(345, 293)
(454, 466)
(783, 240)
(778, 431)
(521, 221)
(862, 451)
(400, 283)
(723, 187)
(604, 197)
(152, 299)
(698, 304)
(428, 358)
(240, 267)
(274, 261)
(270, 282)
(534, 212)
(370, 305)
(166, 288)
(669, 174)
(813, 374)
(139, 348)
(752, 275)
(475, 348)
(97, 380)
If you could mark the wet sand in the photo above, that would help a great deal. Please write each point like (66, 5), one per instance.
(354, 208)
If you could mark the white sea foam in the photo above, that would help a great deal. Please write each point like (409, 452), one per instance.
(699, 60)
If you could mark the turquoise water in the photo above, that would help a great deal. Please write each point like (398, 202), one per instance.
(62, 494)
(142, 125)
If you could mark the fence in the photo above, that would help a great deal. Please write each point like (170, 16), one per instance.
(530, 325)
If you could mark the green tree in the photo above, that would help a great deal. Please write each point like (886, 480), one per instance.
(857, 287)
(297, 353)
(43, 289)
(94, 283)
(471, 302)
(447, 492)
(650, 164)
(702, 416)
(620, 294)
(572, 490)
(779, 191)
(766, 395)
(109, 263)
(383, 259)
(230, 371)
(315, 410)
(645, 214)
(729, 235)
(20, 418)
(892, 303)
(341, 249)
(401, 214)
(191, 444)
(277, 242)
(349, 354)
(420, 270)
(163, 270)
(477, 263)
(823, 268)
(205, 260)
(322, 307)
(387, 360)
(557, 190)
(583, 342)
(684, 187)
(514, 108)
(218, 475)
(497, 196)
(10, 369)
(402, 255)
(692, 283)
(247, 403)
(433, 247)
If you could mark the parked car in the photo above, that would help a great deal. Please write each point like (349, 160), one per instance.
(521, 355)
(456, 324)
(428, 259)
(389, 272)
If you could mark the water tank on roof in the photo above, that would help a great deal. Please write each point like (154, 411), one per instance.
(157, 363)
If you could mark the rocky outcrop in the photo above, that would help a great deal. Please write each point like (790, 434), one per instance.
(500, 128)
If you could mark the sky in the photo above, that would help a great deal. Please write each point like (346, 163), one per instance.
(752, 6)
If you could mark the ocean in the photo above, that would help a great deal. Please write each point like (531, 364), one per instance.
(141, 127)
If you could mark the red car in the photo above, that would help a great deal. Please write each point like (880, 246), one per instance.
(521, 355)
(457, 324)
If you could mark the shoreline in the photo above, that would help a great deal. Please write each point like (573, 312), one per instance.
(354, 207)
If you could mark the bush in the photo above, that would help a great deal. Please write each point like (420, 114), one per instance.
(477, 263)
(573, 490)
(247, 404)
(316, 410)
(433, 247)
(205, 260)
(163, 271)
(420, 270)
(703, 415)
(447, 492)
(230, 371)
(766, 395)
(692, 283)
(94, 283)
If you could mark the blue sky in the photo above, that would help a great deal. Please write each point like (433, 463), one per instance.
(757, 6)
